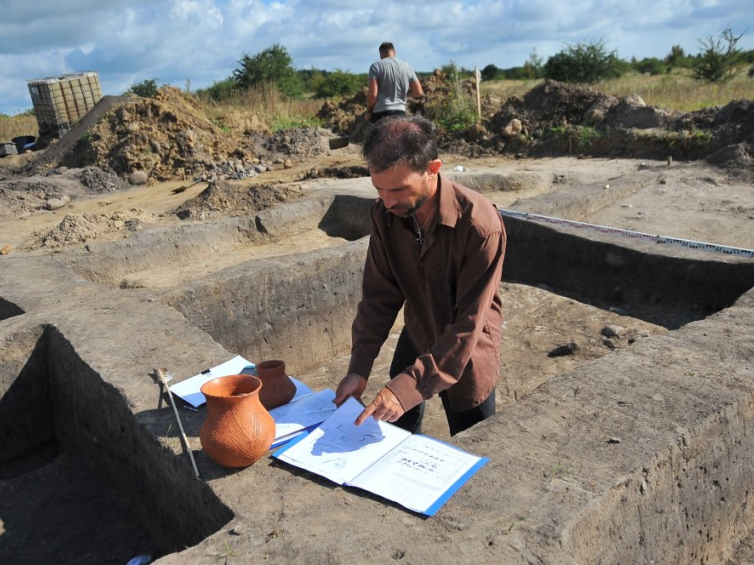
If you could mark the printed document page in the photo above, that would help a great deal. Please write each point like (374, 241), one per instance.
(417, 473)
(339, 450)
(302, 413)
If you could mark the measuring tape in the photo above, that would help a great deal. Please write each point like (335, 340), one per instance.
(713, 247)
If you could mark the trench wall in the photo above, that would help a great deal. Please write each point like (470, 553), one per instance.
(93, 420)
(110, 261)
(26, 410)
(8, 309)
(299, 309)
(655, 286)
(57, 398)
(691, 500)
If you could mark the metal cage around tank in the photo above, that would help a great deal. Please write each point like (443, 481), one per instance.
(61, 101)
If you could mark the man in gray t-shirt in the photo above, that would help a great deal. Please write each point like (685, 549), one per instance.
(391, 82)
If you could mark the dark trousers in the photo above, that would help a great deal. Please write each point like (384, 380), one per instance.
(405, 356)
(377, 116)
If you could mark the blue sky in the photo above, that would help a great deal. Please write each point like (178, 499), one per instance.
(127, 41)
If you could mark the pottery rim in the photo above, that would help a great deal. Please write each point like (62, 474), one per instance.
(232, 386)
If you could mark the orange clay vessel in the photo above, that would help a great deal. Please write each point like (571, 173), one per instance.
(238, 429)
(278, 388)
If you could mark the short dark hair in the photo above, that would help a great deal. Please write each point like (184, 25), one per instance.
(386, 48)
(395, 139)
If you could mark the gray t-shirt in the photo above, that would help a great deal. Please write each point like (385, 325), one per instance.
(394, 78)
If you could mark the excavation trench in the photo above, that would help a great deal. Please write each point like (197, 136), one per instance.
(80, 480)
(285, 284)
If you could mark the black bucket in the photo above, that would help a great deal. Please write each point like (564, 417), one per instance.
(24, 142)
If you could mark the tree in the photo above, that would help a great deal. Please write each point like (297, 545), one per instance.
(146, 88)
(677, 58)
(719, 60)
(271, 66)
(534, 66)
(338, 83)
(490, 72)
(584, 62)
(650, 66)
(219, 91)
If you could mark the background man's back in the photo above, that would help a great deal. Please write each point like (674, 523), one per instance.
(391, 82)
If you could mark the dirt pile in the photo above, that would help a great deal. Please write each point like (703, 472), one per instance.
(559, 118)
(76, 229)
(166, 136)
(53, 190)
(222, 199)
(341, 116)
(300, 142)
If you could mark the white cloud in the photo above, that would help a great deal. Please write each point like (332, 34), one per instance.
(127, 41)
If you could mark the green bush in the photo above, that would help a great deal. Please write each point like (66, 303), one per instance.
(491, 72)
(146, 88)
(719, 60)
(677, 58)
(219, 91)
(271, 66)
(585, 62)
(650, 66)
(338, 83)
(456, 110)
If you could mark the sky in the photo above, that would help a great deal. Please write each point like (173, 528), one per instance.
(193, 43)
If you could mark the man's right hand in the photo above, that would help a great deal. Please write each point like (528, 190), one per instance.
(352, 385)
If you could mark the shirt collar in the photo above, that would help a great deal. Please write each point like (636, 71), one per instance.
(449, 210)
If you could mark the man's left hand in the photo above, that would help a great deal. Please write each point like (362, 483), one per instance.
(385, 407)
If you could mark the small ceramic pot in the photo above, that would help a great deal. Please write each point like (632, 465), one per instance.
(238, 429)
(278, 388)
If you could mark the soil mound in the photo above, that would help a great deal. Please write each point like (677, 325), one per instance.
(165, 136)
(59, 150)
(341, 116)
(98, 181)
(222, 199)
(551, 104)
(75, 229)
(54, 189)
(302, 142)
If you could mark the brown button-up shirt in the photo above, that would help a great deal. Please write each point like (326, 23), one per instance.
(449, 285)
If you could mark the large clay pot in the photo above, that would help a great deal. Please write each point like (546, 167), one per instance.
(278, 388)
(238, 429)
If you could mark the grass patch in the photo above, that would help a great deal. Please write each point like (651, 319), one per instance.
(679, 91)
(279, 110)
(14, 126)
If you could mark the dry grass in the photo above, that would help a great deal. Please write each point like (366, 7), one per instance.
(13, 126)
(276, 109)
(504, 89)
(679, 91)
(676, 91)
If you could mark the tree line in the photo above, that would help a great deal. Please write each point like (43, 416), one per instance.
(718, 59)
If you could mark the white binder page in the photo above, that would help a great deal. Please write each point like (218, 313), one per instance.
(303, 412)
(417, 473)
(339, 450)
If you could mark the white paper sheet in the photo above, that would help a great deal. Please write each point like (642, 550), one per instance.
(417, 472)
(339, 450)
(293, 418)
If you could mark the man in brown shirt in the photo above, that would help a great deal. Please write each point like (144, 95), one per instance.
(436, 249)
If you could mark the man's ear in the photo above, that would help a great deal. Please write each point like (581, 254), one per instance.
(434, 166)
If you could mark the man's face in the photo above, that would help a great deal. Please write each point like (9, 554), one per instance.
(402, 190)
